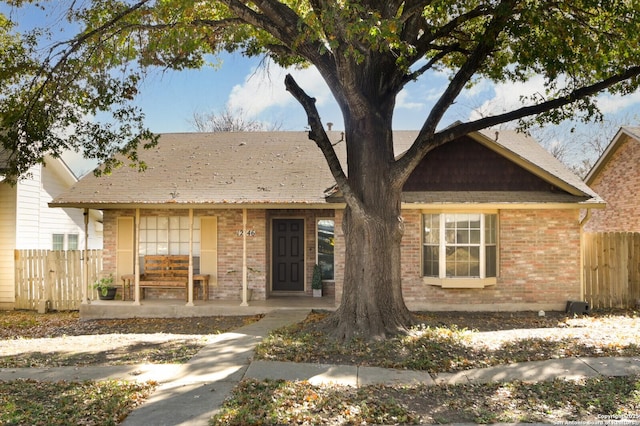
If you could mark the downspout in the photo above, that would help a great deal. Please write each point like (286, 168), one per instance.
(85, 276)
(190, 279)
(244, 258)
(136, 260)
(583, 222)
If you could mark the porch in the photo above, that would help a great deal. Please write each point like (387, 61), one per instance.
(175, 308)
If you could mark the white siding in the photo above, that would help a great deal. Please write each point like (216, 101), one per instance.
(27, 222)
(7, 243)
(28, 212)
(37, 222)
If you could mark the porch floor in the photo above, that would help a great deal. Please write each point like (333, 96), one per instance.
(176, 308)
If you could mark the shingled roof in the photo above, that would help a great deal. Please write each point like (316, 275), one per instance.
(261, 168)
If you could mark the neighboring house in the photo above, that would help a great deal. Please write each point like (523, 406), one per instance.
(27, 222)
(616, 177)
(492, 221)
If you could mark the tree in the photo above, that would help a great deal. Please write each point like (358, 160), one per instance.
(229, 120)
(367, 52)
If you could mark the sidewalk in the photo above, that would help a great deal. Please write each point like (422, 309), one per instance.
(191, 393)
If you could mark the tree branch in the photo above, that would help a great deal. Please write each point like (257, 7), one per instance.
(425, 142)
(487, 42)
(74, 44)
(426, 67)
(321, 139)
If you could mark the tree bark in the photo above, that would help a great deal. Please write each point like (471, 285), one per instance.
(372, 306)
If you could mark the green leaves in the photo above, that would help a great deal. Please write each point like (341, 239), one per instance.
(76, 93)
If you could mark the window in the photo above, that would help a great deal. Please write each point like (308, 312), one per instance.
(168, 235)
(65, 241)
(325, 238)
(460, 245)
(57, 242)
(72, 242)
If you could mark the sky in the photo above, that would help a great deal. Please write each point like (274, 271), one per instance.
(170, 99)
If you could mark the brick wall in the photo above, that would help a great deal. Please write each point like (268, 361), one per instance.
(539, 265)
(539, 258)
(229, 280)
(618, 184)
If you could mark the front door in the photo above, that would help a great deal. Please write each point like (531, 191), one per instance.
(288, 255)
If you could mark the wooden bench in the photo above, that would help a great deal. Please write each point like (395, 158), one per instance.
(168, 272)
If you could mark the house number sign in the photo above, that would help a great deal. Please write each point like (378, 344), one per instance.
(250, 233)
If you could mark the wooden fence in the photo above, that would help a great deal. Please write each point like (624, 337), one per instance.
(53, 275)
(612, 269)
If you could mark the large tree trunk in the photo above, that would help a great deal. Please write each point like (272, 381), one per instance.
(372, 305)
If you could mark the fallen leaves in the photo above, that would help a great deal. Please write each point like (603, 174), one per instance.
(31, 325)
(442, 342)
(287, 402)
(31, 402)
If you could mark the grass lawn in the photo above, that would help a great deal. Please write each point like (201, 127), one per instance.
(439, 342)
(442, 343)
(31, 402)
(285, 402)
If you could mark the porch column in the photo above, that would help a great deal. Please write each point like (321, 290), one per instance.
(244, 258)
(136, 261)
(190, 279)
(85, 275)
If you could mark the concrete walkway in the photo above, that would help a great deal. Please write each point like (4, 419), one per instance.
(191, 393)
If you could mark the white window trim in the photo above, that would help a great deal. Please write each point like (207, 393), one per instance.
(460, 282)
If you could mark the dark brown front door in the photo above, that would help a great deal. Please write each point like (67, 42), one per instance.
(288, 255)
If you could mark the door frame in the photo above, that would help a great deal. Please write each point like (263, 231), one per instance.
(304, 248)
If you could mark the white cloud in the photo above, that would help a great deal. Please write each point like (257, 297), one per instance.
(615, 103)
(263, 88)
(402, 101)
(507, 97)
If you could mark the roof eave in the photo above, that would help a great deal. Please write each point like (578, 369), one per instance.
(311, 205)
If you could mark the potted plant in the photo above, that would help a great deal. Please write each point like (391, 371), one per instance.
(106, 290)
(316, 281)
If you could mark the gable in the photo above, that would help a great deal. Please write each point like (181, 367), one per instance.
(466, 165)
(624, 135)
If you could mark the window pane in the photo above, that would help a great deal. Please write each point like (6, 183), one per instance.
(463, 261)
(490, 229)
(326, 241)
(474, 221)
(57, 242)
(162, 248)
(184, 222)
(490, 261)
(431, 268)
(184, 248)
(152, 222)
(174, 222)
(431, 228)
(474, 261)
(72, 241)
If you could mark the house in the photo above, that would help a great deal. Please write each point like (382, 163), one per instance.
(616, 177)
(256, 211)
(26, 221)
